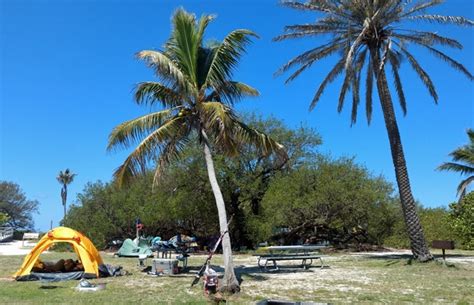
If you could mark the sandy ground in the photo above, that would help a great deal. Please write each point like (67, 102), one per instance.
(15, 247)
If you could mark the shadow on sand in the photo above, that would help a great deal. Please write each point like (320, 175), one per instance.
(407, 259)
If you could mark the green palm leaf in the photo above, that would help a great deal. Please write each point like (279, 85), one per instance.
(167, 69)
(226, 57)
(130, 132)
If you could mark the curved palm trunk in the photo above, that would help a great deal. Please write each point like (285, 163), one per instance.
(412, 221)
(230, 283)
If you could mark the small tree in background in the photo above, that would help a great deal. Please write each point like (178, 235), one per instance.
(65, 178)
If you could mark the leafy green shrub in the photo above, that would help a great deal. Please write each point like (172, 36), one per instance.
(461, 218)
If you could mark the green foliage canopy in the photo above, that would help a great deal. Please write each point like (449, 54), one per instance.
(16, 207)
(462, 220)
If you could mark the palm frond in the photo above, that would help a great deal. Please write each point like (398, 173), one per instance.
(394, 62)
(369, 84)
(462, 187)
(202, 26)
(344, 88)
(231, 92)
(306, 30)
(151, 92)
(133, 131)
(454, 64)
(429, 38)
(146, 149)
(184, 43)
(170, 152)
(464, 154)
(219, 120)
(443, 19)
(356, 84)
(470, 134)
(226, 57)
(265, 144)
(320, 6)
(421, 73)
(167, 69)
(308, 58)
(457, 167)
(332, 75)
(420, 7)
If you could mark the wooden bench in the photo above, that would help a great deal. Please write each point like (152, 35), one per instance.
(302, 253)
(29, 236)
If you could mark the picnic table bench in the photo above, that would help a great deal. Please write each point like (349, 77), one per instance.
(29, 236)
(304, 253)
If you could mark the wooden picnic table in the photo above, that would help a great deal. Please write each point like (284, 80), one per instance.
(305, 253)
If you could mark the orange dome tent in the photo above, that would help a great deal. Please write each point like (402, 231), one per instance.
(82, 245)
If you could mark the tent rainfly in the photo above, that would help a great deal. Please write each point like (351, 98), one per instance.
(84, 248)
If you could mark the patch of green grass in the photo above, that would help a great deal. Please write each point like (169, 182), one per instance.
(349, 279)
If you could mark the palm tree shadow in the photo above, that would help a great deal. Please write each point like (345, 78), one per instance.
(407, 259)
(259, 274)
(256, 273)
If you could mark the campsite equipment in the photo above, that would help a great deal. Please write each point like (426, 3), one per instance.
(131, 249)
(84, 248)
(6, 233)
(85, 285)
(164, 266)
(142, 260)
(210, 280)
(208, 259)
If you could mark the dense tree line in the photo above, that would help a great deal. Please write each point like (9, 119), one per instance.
(311, 197)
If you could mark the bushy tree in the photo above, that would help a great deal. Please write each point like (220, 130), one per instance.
(462, 220)
(328, 200)
(17, 208)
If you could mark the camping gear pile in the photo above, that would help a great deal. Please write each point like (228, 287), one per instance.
(142, 248)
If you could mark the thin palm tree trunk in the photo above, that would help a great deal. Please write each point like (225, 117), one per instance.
(412, 221)
(64, 199)
(230, 283)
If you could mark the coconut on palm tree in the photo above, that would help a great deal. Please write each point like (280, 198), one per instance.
(65, 178)
(463, 163)
(196, 95)
(370, 37)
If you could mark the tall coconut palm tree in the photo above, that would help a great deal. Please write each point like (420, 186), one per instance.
(196, 94)
(368, 36)
(65, 178)
(463, 163)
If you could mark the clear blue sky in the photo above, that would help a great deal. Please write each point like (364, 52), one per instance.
(67, 71)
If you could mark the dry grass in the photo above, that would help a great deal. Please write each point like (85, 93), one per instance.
(348, 279)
